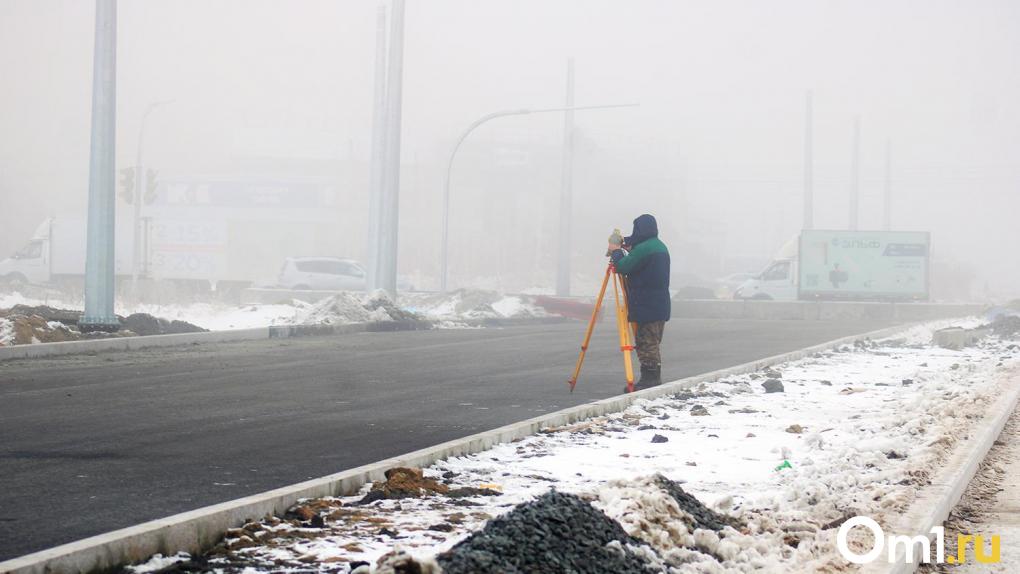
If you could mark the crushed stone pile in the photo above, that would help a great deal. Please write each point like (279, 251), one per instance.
(146, 324)
(1006, 326)
(698, 515)
(555, 532)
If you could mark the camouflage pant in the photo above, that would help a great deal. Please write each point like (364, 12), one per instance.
(649, 335)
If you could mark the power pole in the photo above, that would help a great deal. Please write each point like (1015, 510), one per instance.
(887, 223)
(566, 190)
(376, 177)
(99, 255)
(809, 193)
(386, 271)
(855, 175)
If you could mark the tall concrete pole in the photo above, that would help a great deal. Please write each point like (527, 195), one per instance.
(376, 177)
(99, 244)
(566, 190)
(887, 223)
(855, 176)
(386, 272)
(809, 191)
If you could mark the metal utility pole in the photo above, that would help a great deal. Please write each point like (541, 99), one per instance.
(386, 270)
(855, 175)
(99, 255)
(376, 184)
(444, 248)
(887, 223)
(566, 190)
(809, 193)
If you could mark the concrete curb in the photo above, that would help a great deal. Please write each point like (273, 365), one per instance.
(235, 335)
(818, 310)
(200, 529)
(933, 505)
(131, 343)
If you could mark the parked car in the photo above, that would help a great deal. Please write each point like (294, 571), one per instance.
(726, 286)
(322, 273)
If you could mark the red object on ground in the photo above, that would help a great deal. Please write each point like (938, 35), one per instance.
(571, 308)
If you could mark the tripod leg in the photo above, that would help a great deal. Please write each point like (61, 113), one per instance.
(591, 327)
(626, 308)
(623, 328)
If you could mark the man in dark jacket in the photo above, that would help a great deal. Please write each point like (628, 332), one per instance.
(644, 260)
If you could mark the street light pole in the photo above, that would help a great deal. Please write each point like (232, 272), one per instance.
(99, 243)
(443, 266)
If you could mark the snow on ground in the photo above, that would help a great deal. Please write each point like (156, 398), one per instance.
(445, 310)
(857, 430)
(218, 317)
(6, 332)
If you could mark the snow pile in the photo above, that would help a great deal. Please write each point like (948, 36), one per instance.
(6, 332)
(349, 307)
(767, 478)
(471, 304)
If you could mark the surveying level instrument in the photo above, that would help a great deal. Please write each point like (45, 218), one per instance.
(627, 331)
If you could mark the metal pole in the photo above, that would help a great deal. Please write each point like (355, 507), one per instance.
(809, 193)
(387, 266)
(376, 183)
(566, 188)
(888, 186)
(99, 256)
(855, 176)
(444, 248)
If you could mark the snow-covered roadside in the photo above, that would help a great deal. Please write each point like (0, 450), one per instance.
(854, 431)
(443, 310)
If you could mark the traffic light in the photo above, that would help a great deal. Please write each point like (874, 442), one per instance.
(127, 184)
(150, 185)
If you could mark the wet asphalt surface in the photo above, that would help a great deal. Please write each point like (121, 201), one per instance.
(89, 444)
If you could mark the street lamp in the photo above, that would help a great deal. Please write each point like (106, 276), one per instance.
(453, 154)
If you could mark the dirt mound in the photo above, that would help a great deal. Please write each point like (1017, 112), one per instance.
(146, 324)
(25, 324)
(554, 533)
(411, 483)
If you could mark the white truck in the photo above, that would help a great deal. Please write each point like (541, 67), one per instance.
(201, 232)
(846, 265)
(177, 250)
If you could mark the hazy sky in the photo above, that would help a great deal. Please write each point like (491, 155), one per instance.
(721, 87)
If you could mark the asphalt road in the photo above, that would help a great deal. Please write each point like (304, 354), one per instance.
(89, 444)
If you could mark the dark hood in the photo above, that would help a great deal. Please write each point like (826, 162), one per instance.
(645, 228)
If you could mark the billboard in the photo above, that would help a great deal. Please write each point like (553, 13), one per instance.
(864, 265)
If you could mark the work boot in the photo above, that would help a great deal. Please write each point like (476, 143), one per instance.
(650, 377)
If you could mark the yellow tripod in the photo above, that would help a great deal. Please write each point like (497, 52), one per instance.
(625, 329)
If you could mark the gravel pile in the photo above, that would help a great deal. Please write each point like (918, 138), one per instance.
(1006, 326)
(553, 533)
(146, 324)
(702, 516)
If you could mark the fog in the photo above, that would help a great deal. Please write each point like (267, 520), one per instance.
(270, 93)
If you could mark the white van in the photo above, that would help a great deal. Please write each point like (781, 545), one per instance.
(778, 282)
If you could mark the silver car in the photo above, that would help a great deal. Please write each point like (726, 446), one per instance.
(322, 273)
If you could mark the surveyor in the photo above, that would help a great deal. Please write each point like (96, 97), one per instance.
(644, 260)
